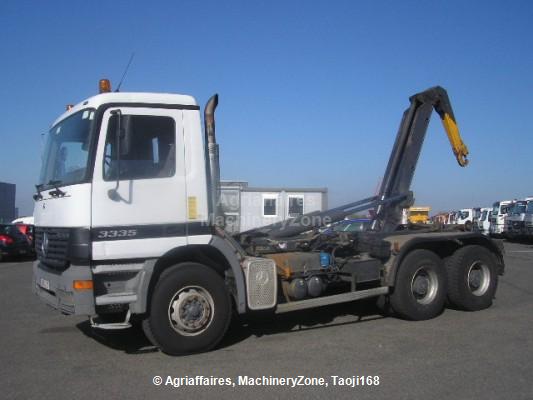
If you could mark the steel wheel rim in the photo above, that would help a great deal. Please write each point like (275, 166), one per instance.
(424, 285)
(191, 310)
(478, 278)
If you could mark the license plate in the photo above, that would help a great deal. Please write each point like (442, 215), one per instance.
(44, 283)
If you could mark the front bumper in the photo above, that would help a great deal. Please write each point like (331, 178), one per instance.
(496, 229)
(56, 288)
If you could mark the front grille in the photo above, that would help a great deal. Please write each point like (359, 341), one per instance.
(53, 253)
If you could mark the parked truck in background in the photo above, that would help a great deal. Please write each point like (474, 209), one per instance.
(468, 217)
(500, 209)
(528, 220)
(484, 220)
(452, 218)
(419, 214)
(515, 221)
(128, 229)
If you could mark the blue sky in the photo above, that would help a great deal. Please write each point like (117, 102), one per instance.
(311, 92)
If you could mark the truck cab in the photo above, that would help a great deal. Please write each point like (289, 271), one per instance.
(419, 214)
(500, 209)
(468, 217)
(100, 199)
(484, 220)
(528, 219)
(515, 223)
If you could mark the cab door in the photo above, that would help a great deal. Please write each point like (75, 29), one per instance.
(139, 204)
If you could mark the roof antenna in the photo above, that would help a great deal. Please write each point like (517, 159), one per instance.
(125, 72)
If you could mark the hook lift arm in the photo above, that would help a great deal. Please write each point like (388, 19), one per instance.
(443, 107)
(394, 193)
(406, 150)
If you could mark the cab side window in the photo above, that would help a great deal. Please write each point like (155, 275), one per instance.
(147, 148)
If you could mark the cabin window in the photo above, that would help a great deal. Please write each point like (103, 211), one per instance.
(148, 148)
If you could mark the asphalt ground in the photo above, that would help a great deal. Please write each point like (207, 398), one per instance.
(459, 355)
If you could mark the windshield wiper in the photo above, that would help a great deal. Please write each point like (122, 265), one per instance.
(57, 192)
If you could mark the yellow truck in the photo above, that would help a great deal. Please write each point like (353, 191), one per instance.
(419, 215)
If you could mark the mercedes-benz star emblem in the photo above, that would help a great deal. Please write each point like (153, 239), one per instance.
(261, 277)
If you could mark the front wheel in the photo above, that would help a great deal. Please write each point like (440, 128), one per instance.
(420, 289)
(190, 310)
(472, 278)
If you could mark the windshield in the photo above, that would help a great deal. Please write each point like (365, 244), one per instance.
(464, 214)
(67, 150)
(505, 208)
(519, 208)
(496, 208)
(529, 208)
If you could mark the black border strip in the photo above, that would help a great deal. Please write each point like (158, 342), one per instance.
(129, 232)
(105, 106)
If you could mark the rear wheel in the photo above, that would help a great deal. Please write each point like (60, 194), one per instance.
(190, 310)
(420, 290)
(472, 278)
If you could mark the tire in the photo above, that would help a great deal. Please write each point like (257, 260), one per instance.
(190, 310)
(472, 278)
(420, 290)
(468, 226)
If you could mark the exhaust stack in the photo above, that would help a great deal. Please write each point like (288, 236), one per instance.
(213, 167)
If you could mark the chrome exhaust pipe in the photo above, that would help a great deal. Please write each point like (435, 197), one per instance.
(213, 167)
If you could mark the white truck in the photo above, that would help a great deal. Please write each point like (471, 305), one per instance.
(128, 229)
(515, 222)
(528, 219)
(484, 220)
(500, 209)
(468, 217)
